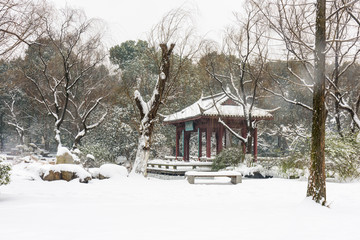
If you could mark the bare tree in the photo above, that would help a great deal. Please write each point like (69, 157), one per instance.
(86, 109)
(173, 30)
(61, 62)
(294, 24)
(19, 22)
(344, 37)
(245, 46)
(13, 118)
(301, 25)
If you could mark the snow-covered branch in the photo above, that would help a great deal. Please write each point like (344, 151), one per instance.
(238, 136)
(289, 100)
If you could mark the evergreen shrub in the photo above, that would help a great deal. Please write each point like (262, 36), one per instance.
(342, 156)
(101, 153)
(4, 173)
(228, 157)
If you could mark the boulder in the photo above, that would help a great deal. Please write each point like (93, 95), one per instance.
(65, 172)
(112, 171)
(67, 175)
(64, 156)
(85, 180)
(51, 176)
(101, 177)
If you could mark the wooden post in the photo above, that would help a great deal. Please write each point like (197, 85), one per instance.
(183, 143)
(177, 143)
(255, 145)
(200, 142)
(208, 142)
(186, 146)
(219, 139)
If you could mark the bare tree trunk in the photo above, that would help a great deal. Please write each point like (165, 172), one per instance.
(2, 125)
(316, 185)
(336, 78)
(148, 111)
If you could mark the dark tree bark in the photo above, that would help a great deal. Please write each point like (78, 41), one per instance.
(316, 185)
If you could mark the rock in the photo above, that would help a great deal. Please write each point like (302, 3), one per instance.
(85, 180)
(65, 172)
(94, 172)
(51, 176)
(32, 147)
(121, 160)
(257, 175)
(67, 175)
(101, 177)
(90, 161)
(64, 156)
(112, 171)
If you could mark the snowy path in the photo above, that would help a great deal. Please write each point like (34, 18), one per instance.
(136, 208)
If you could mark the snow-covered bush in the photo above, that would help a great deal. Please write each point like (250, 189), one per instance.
(113, 170)
(4, 173)
(342, 157)
(100, 153)
(227, 157)
(293, 166)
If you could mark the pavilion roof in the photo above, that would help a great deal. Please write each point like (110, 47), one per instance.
(212, 106)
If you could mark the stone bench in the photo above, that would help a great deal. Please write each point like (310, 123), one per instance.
(235, 176)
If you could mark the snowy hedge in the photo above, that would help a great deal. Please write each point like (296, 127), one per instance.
(343, 157)
(4, 173)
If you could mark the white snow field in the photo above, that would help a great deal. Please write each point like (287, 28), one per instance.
(128, 208)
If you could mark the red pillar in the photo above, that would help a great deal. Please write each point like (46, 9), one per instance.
(208, 142)
(200, 143)
(219, 139)
(177, 143)
(255, 145)
(186, 146)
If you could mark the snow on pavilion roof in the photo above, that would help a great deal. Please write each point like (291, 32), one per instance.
(211, 106)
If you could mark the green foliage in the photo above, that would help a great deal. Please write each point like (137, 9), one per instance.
(228, 157)
(127, 52)
(101, 153)
(4, 173)
(342, 156)
(295, 165)
(342, 159)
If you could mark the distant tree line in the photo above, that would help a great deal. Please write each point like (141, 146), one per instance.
(57, 88)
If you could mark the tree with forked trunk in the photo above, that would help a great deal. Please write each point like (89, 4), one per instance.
(173, 30)
(61, 66)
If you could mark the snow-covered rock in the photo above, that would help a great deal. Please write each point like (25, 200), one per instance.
(64, 156)
(90, 161)
(94, 172)
(66, 172)
(112, 171)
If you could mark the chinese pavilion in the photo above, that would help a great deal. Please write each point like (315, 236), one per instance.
(203, 116)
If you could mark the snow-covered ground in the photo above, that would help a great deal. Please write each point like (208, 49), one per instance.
(130, 208)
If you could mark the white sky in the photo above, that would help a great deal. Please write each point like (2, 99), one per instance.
(132, 19)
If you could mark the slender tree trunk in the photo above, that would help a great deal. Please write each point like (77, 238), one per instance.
(2, 124)
(316, 185)
(336, 78)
